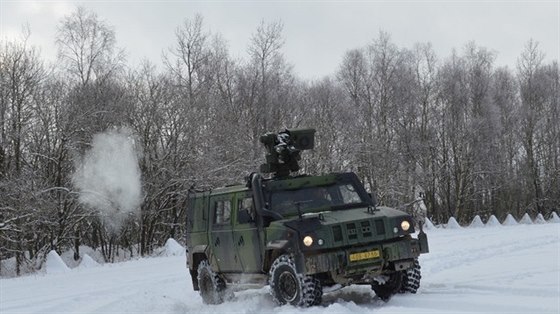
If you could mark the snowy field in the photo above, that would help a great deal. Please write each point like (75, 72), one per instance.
(509, 269)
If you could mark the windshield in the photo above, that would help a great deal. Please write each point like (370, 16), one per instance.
(316, 198)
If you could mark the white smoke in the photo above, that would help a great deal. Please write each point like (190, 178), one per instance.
(109, 177)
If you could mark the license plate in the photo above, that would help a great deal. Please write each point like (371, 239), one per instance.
(364, 255)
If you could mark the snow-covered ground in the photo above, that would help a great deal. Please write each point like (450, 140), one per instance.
(509, 269)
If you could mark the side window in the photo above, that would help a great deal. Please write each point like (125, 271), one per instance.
(227, 212)
(222, 212)
(248, 204)
(219, 212)
(245, 210)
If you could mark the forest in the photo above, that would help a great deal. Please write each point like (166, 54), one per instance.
(467, 136)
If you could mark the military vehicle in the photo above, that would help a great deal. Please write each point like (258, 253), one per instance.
(300, 234)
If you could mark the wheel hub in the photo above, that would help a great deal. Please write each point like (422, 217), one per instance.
(288, 286)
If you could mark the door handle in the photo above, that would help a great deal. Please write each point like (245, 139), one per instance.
(241, 241)
(217, 242)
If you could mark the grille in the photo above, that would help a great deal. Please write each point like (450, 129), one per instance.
(337, 233)
(380, 227)
(352, 232)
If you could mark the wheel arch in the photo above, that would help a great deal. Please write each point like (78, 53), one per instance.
(198, 255)
(270, 255)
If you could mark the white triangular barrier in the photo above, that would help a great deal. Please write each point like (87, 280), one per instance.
(173, 248)
(510, 221)
(539, 219)
(554, 218)
(452, 223)
(493, 222)
(476, 222)
(526, 220)
(88, 262)
(428, 224)
(54, 264)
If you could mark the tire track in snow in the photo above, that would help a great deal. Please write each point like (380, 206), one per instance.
(503, 270)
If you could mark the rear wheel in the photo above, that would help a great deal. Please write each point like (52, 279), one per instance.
(289, 287)
(212, 288)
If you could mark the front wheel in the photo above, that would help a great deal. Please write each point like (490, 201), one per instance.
(390, 287)
(289, 287)
(411, 279)
(211, 286)
(406, 281)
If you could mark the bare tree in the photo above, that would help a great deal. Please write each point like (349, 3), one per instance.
(20, 75)
(86, 47)
(267, 64)
(505, 96)
(192, 58)
(532, 113)
(425, 68)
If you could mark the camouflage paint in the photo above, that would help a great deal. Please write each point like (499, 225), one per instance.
(251, 247)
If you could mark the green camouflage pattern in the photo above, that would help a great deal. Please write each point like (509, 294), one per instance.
(238, 231)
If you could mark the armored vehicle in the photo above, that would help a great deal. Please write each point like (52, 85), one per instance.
(301, 235)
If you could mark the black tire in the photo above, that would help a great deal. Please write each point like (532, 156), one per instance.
(411, 279)
(406, 281)
(289, 287)
(389, 288)
(212, 288)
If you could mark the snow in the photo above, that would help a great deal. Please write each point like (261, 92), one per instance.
(554, 218)
(428, 225)
(95, 255)
(476, 222)
(526, 219)
(172, 248)
(539, 219)
(510, 221)
(88, 262)
(493, 222)
(513, 270)
(54, 264)
(452, 223)
(108, 177)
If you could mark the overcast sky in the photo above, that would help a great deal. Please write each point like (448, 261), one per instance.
(317, 33)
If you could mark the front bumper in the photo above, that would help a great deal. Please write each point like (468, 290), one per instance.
(368, 260)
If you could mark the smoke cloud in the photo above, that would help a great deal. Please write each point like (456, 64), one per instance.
(109, 177)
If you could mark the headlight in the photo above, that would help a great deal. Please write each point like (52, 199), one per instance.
(405, 225)
(307, 240)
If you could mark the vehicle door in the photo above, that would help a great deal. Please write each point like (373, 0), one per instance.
(221, 238)
(246, 235)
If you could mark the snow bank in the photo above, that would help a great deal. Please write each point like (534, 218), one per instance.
(509, 221)
(539, 219)
(476, 222)
(526, 220)
(54, 264)
(452, 223)
(428, 224)
(88, 262)
(493, 222)
(554, 218)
